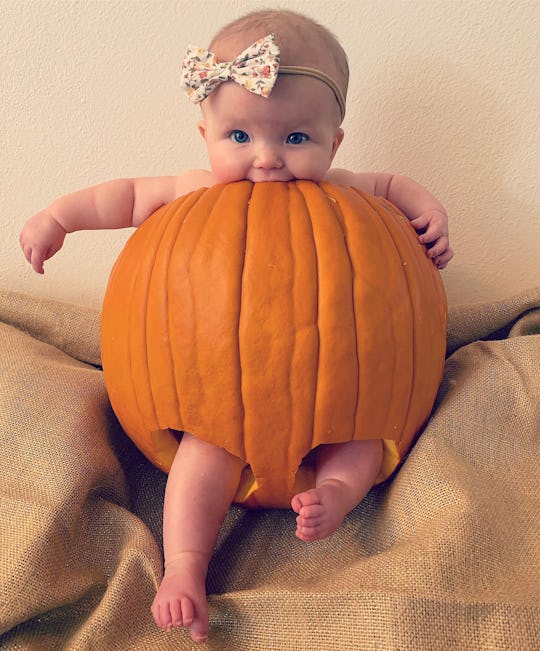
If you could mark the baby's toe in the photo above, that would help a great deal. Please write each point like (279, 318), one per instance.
(187, 612)
(308, 534)
(162, 615)
(199, 631)
(175, 608)
(296, 504)
(199, 637)
(309, 514)
(307, 498)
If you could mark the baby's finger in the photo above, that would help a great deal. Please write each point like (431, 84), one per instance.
(442, 260)
(420, 222)
(433, 232)
(438, 247)
(36, 260)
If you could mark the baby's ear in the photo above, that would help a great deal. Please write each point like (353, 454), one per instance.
(202, 128)
(338, 139)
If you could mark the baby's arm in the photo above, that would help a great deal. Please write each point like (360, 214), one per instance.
(424, 211)
(115, 204)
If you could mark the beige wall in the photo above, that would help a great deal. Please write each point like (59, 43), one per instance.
(444, 91)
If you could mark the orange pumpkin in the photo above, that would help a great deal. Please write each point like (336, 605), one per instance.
(270, 318)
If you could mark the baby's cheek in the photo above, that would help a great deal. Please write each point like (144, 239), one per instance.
(227, 174)
(312, 167)
(311, 172)
(225, 168)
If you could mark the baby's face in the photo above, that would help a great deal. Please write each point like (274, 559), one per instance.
(292, 134)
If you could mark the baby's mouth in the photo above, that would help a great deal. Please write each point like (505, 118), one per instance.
(270, 175)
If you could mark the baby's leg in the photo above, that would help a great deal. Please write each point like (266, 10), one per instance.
(345, 472)
(201, 486)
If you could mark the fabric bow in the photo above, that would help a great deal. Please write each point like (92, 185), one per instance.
(255, 69)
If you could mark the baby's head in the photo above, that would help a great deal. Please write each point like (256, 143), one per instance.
(301, 41)
(295, 131)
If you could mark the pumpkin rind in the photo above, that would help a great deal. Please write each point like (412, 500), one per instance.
(269, 318)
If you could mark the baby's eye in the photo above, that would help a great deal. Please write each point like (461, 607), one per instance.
(239, 136)
(297, 138)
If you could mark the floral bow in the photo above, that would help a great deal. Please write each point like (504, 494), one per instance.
(255, 69)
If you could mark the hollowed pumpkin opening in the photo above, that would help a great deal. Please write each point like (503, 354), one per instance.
(165, 444)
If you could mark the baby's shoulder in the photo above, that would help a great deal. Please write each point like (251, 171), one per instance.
(361, 181)
(193, 180)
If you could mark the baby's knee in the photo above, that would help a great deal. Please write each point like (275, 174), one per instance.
(213, 454)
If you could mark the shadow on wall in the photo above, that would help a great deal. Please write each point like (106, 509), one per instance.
(453, 132)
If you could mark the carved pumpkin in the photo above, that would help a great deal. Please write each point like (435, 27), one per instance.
(269, 318)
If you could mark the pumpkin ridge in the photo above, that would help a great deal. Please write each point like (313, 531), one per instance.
(163, 250)
(390, 222)
(241, 293)
(116, 345)
(423, 280)
(301, 189)
(335, 397)
(140, 346)
(397, 243)
(303, 377)
(131, 348)
(306, 189)
(348, 202)
(161, 363)
(336, 207)
(138, 315)
(423, 374)
(414, 348)
(291, 456)
(264, 345)
(188, 306)
(208, 222)
(437, 287)
(246, 187)
(370, 237)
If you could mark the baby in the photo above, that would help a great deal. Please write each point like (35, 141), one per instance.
(273, 115)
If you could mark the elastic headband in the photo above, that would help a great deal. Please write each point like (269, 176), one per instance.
(255, 69)
(321, 76)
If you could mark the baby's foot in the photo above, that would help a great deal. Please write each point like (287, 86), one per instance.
(320, 511)
(181, 598)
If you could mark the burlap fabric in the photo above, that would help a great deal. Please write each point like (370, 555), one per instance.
(445, 555)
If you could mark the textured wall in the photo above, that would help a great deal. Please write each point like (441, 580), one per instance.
(445, 91)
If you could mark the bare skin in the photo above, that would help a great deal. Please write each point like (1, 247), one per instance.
(345, 473)
(201, 487)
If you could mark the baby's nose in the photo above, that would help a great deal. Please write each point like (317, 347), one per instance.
(268, 158)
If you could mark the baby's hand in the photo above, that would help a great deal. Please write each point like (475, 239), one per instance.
(433, 225)
(41, 237)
